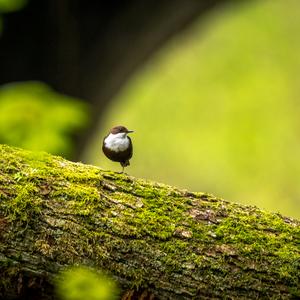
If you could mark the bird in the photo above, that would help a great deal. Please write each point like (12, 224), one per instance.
(117, 146)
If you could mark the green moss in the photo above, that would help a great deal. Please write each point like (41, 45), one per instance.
(25, 205)
(81, 214)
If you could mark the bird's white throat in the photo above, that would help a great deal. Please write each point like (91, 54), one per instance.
(117, 142)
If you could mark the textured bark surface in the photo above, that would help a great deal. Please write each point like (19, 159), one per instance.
(153, 239)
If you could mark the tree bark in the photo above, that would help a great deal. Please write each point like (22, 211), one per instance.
(154, 239)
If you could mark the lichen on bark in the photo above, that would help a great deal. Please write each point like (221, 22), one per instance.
(150, 237)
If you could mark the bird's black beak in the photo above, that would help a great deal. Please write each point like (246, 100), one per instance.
(129, 131)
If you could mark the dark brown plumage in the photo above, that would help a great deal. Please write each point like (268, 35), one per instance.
(117, 146)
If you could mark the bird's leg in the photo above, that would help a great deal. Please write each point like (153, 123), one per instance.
(123, 166)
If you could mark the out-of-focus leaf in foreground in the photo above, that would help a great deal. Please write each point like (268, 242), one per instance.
(78, 283)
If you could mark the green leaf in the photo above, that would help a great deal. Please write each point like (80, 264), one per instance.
(79, 283)
(11, 5)
(35, 117)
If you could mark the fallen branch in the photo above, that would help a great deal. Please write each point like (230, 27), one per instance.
(154, 239)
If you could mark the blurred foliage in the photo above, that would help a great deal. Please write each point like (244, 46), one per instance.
(218, 109)
(33, 116)
(81, 283)
(7, 6)
(11, 5)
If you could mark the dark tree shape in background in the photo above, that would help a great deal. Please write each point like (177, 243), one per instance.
(90, 49)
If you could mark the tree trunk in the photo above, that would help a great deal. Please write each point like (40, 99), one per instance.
(90, 49)
(152, 238)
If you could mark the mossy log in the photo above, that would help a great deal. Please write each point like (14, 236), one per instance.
(157, 241)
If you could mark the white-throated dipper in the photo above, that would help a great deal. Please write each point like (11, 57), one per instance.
(117, 146)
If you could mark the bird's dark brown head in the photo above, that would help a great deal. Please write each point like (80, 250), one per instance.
(120, 129)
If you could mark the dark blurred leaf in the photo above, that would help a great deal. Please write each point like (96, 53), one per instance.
(11, 5)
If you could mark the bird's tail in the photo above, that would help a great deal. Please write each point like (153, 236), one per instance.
(125, 163)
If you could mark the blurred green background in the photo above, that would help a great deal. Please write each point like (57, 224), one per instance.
(215, 110)
(35, 117)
